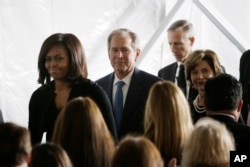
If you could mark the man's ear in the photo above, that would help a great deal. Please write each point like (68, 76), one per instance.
(28, 158)
(192, 40)
(240, 104)
(138, 52)
(172, 162)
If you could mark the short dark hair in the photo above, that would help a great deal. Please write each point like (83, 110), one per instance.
(222, 92)
(49, 154)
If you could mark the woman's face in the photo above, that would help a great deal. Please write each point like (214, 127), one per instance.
(57, 62)
(200, 74)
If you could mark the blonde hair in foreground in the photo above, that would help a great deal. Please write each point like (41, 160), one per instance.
(81, 130)
(209, 145)
(137, 152)
(168, 122)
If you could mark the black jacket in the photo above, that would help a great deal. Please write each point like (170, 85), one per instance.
(42, 111)
(240, 132)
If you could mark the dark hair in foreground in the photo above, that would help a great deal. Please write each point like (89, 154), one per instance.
(49, 155)
(15, 144)
(222, 92)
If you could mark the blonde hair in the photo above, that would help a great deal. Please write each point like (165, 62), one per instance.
(137, 151)
(216, 150)
(168, 121)
(81, 130)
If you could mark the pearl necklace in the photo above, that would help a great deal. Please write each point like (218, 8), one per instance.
(198, 108)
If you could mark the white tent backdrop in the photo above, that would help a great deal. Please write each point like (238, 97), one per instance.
(24, 24)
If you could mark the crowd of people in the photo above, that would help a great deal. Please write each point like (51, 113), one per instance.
(130, 117)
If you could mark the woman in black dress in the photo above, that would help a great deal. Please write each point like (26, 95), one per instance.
(63, 76)
(200, 66)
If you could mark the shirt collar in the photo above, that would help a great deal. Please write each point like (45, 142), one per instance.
(179, 63)
(126, 79)
(223, 114)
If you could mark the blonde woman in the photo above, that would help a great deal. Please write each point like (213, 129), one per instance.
(81, 130)
(216, 150)
(168, 122)
(199, 67)
(63, 75)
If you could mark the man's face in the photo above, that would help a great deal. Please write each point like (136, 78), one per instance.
(122, 55)
(180, 44)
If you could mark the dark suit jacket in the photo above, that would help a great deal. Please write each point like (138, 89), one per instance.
(240, 132)
(245, 79)
(42, 111)
(169, 73)
(133, 111)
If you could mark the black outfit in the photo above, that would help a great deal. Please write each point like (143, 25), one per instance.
(43, 112)
(245, 80)
(195, 115)
(169, 73)
(240, 132)
(134, 107)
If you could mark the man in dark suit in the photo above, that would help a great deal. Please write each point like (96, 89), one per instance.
(181, 40)
(245, 79)
(123, 51)
(223, 102)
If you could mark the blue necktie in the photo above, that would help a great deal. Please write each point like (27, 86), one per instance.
(118, 103)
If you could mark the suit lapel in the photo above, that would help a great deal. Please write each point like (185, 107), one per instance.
(173, 71)
(133, 94)
(109, 87)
